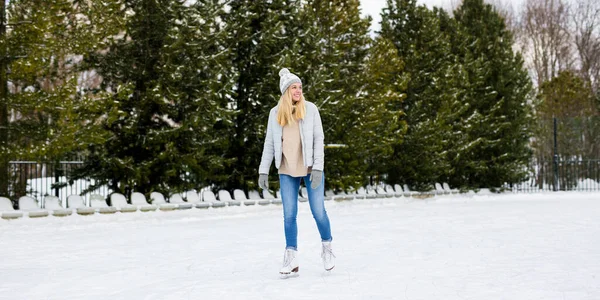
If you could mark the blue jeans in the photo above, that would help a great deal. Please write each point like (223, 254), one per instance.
(289, 187)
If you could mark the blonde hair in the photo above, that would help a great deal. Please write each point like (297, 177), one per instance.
(286, 114)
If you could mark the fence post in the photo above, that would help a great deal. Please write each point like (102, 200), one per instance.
(555, 159)
(57, 174)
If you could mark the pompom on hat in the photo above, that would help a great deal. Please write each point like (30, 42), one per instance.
(286, 78)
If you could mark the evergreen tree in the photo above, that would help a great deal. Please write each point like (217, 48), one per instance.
(39, 81)
(261, 38)
(498, 119)
(326, 44)
(162, 108)
(454, 110)
(567, 98)
(425, 49)
(379, 112)
(38, 53)
(334, 47)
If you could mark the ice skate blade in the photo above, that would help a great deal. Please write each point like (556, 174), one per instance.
(288, 275)
(294, 270)
(294, 273)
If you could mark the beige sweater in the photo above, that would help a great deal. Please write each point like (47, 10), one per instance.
(292, 162)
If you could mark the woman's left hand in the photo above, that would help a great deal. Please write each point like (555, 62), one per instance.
(316, 177)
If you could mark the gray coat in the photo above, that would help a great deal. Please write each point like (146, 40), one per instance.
(311, 136)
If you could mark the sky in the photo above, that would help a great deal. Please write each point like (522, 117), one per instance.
(451, 247)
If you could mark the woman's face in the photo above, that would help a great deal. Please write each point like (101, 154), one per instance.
(296, 90)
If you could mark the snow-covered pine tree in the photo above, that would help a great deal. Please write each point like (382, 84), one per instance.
(498, 121)
(425, 49)
(335, 43)
(453, 111)
(39, 64)
(380, 126)
(163, 96)
(260, 38)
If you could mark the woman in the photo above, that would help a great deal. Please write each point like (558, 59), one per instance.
(295, 139)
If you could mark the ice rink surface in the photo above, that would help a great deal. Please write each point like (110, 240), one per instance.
(510, 246)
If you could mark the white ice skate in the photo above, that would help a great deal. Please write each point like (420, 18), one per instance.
(290, 264)
(327, 256)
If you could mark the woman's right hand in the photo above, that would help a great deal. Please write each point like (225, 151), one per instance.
(263, 181)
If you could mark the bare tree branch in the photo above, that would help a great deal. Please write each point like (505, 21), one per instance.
(586, 22)
(546, 38)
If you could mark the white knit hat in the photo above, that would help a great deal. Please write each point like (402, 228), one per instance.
(286, 79)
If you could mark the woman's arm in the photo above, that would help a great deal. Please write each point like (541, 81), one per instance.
(268, 148)
(318, 143)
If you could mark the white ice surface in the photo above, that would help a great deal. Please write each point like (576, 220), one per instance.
(525, 246)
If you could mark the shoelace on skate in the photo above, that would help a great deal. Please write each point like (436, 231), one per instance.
(327, 251)
(287, 259)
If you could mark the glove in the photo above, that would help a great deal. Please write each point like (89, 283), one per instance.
(263, 181)
(316, 177)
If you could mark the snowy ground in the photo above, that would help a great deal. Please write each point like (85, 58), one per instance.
(537, 246)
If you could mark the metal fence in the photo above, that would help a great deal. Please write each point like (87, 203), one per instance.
(561, 175)
(41, 179)
(566, 156)
(38, 180)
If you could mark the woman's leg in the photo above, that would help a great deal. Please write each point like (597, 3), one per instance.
(289, 197)
(316, 199)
